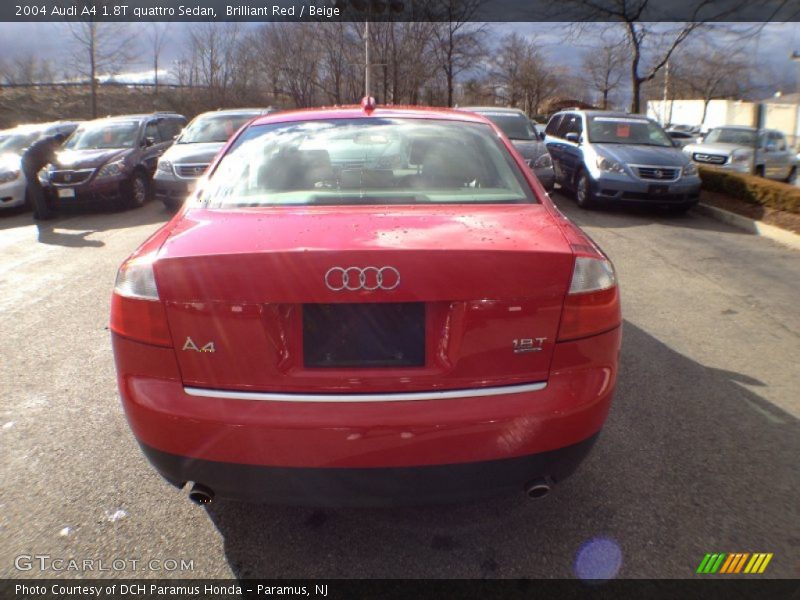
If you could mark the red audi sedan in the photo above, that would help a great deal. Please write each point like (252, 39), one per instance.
(367, 306)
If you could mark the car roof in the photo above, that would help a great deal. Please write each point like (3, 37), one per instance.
(235, 112)
(498, 109)
(742, 127)
(606, 113)
(356, 112)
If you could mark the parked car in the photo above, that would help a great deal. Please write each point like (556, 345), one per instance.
(523, 134)
(682, 138)
(112, 160)
(762, 152)
(194, 149)
(607, 157)
(312, 331)
(13, 143)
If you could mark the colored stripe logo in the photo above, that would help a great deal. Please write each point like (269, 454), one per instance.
(734, 563)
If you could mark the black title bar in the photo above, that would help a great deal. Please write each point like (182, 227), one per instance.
(401, 10)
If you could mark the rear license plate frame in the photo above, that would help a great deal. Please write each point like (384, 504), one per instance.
(364, 335)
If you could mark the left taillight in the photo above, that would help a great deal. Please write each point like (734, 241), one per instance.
(137, 312)
(591, 306)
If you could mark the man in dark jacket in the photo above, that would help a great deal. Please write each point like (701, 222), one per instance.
(36, 157)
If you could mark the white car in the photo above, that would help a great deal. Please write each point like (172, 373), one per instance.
(12, 181)
(13, 143)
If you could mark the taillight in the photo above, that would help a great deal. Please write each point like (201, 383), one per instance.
(137, 312)
(592, 303)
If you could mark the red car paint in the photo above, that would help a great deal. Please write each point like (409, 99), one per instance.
(488, 274)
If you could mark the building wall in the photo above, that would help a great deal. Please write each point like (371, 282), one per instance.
(783, 117)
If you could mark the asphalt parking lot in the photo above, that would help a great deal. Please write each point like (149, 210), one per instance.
(700, 453)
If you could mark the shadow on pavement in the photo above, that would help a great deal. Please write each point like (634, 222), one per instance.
(636, 216)
(86, 220)
(689, 462)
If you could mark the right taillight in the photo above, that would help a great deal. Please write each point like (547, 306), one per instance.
(137, 312)
(592, 303)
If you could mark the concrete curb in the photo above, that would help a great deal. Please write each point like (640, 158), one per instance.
(782, 236)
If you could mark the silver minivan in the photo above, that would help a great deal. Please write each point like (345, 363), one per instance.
(610, 157)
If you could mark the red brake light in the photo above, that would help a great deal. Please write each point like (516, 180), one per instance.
(592, 303)
(137, 312)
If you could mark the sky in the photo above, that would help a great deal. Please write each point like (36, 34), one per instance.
(777, 40)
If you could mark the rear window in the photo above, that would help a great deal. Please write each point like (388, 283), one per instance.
(366, 161)
(515, 126)
(214, 129)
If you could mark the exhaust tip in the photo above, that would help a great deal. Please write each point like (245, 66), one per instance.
(201, 494)
(538, 488)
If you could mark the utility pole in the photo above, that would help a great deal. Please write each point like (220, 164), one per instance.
(664, 120)
(367, 62)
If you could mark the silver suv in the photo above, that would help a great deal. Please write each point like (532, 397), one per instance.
(618, 157)
(762, 152)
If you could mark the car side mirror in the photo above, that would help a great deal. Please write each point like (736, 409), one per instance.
(149, 141)
(676, 144)
(573, 137)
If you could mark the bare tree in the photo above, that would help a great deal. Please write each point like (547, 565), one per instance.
(709, 72)
(521, 74)
(604, 66)
(459, 43)
(214, 52)
(652, 44)
(158, 39)
(100, 49)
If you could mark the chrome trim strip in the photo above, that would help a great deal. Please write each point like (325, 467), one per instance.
(388, 397)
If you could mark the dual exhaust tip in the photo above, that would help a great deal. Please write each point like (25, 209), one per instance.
(536, 489)
(201, 494)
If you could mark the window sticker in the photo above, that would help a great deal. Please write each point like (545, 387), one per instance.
(623, 131)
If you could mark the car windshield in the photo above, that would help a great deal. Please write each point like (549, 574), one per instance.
(216, 128)
(104, 135)
(366, 161)
(516, 126)
(730, 135)
(626, 130)
(18, 142)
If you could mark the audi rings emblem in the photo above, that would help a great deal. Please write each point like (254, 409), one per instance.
(370, 279)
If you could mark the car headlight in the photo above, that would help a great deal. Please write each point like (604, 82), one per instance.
(690, 170)
(608, 165)
(112, 169)
(543, 162)
(6, 176)
(741, 156)
(164, 166)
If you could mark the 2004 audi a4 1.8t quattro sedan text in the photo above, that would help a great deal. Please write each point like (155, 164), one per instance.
(367, 306)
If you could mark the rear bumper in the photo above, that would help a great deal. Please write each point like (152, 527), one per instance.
(377, 486)
(251, 448)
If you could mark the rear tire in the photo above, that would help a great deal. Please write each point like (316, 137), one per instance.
(583, 191)
(171, 204)
(136, 191)
(792, 175)
(759, 172)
